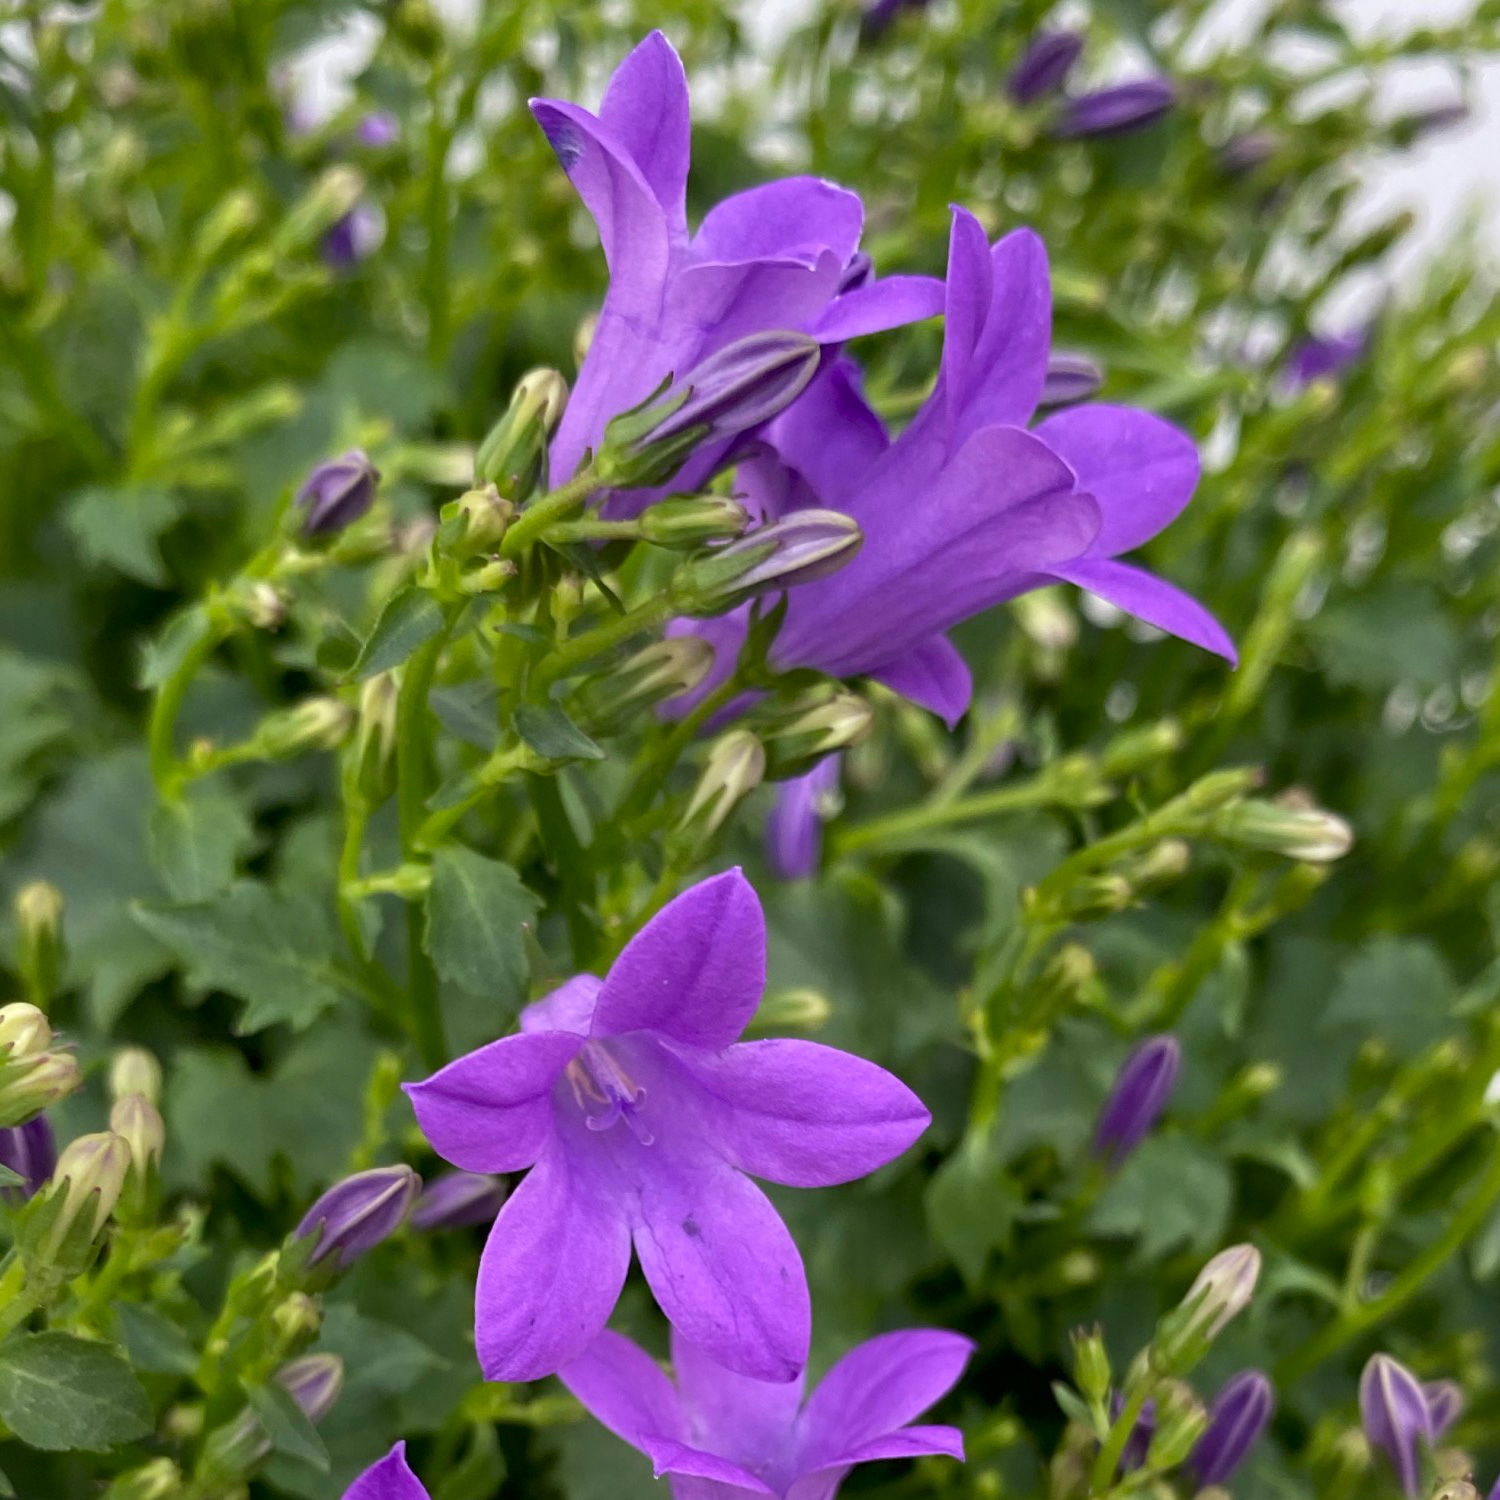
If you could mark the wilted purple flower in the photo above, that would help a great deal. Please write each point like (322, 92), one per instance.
(1142, 1088)
(794, 831)
(1236, 1420)
(966, 509)
(352, 238)
(1045, 65)
(355, 1215)
(458, 1199)
(338, 492)
(1071, 378)
(1117, 111)
(1396, 1418)
(879, 15)
(313, 1382)
(774, 257)
(390, 1479)
(30, 1151)
(726, 1436)
(1320, 358)
(640, 1117)
(378, 129)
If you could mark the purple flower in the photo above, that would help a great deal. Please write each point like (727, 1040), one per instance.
(1142, 1088)
(338, 492)
(1248, 151)
(1071, 378)
(353, 237)
(966, 509)
(355, 1215)
(1045, 65)
(378, 129)
(1445, 1403)
(458, 1199)
(1236, 1420)
(878, 17)
(30, 1151)
(1117, 111)
(1393, 1408)
(640, 1118)
(390, 1479)
(1320, 358)
(721, 1436)
(772, 258)
(794, 831)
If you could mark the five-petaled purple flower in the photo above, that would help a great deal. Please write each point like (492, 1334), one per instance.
(1396, 1416)
(390, 1479)
(776, 257)
(967, 509)
(721, 1436)
(640, 1116)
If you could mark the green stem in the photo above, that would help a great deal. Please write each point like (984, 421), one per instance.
(603, 638)
(652, 776)
(551, 508)
(1102, 1476)
(160, 733)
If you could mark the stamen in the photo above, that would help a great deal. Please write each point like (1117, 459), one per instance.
(606, 1093)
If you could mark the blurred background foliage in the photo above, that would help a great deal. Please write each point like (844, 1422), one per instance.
(181, 347)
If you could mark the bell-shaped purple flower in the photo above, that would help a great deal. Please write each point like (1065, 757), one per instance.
(1394, 1410)
(794, 830)
(722, 1435)
(773, 257)
(355, 1215)
(1120, 110)
(338, 492)
(390, 1479)
(1140, 1093)
(30, 1151)
(642, 1119)
(1045, 65)
(457, 1199)
(1236, 1419)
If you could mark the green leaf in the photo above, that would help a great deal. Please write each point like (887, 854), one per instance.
(553, 735)
(60, 1392)
(1399, 989)
(274, 952)
(120, 528)
(154, 1343)
(34, 718)
(971, 1209)
(1171, 1194)
(287, 1425)
(411, 618)
(163, 655)
(477, 910)
(197, 841)
(468, 712)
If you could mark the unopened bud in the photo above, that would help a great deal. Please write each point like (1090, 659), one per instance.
(1220, 788)
(1119, 110)
(583, 337)
(375, 735)
(314, 1382)
(1394, 1412)
(134, 1070)
(1292, 825)
(1086, 899)
(1070, 378)
(475, 522)
(1221, 1292)
(1046, 619)
(39, 960)
(792, 1010)
(1044, 66)
(139, 1123)
(1180, 1422)
(337, 493)
(1091, 1372)
(313, 724)
(160, 1479)
(798, 735)
(63, 1225)
(693, 520)
(30, 1151)
(1164, 862)
(1236, 1419)
(262, 605)
(297, 1317)
(738, 387)
(801, 547)
(36, 1083)
(662, 670)
(458, 1199)
(736, 766)
(354, 1216)
(24, 1032)
(1140, 1093)
(513, 455)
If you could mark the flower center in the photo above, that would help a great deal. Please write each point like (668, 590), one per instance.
(606, 1093)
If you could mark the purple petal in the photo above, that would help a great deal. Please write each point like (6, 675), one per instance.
(645, 109)
(909, 1442)
(1445, 1404)
(1150, 599)
(792, 217)
(736, 298)
(749, 1421)
(794, 830)
(570, 1007)
(1396, 1419)
(390, 1479)
(1141, 470)
(621, 1386)
(933, 675)
(725, 1481)
(695, 972)
(878, 306)
(802, 1114)
(1117, 110)
(552, 1270)
(878, 1388)
(491, 1111)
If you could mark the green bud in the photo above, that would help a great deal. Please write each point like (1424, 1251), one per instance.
(736, 765)
(375, 736)
(1219, 788)
(1221, 1292)
(134, 1070)
(1091, 1372)
(693, 520)
(1160, 865)
(1180, 1420)
(24, 1032)
(261, 605)
(36, 1083)
(513, 455)
(1086, 899)
(313, 724)
(138, 1122)
(160, 1479)
(792, 1010)
(319, 209)
(1141, 747)
(662, 670)
(475, 522)
(297, 1317)
(801, 547)
(63, 1226)
(1046, 619)
(1292, 825)
(39, 960)
(799, 734)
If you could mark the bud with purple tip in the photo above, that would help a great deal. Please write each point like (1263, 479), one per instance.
(1221, 1291)
(1320, 358)
(878, 18)
(801, 547)
(458, 1199)
(1045, 65)
(1070, 378)
(1142, 1088)
(1236, 1420)
(1445, 1404)
(30, 1151)
(352, 238)
(1393, 1408)
(1245, 153)
(338, 492)
(1119, 110)
(355, 1215)
(313, 1382)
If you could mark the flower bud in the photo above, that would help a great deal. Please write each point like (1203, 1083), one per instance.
(738, 387)
(314, 1382)
(1291, 825)
(1221, 1292)
(64, 1223)
(736, 765)
(139, 1123)
(458, 1199)
(1070, 378)
(378, 129)
(160, 1479)
(134, 1070)
(354, 1216)
(794, 829)
(513, 455)
(800, 734)
(39, 961)
(375, 735)
(693, 520)
(30, 1151)
(1236, 1419)
(475, 522)
(1394, 1413)
(1246, 153)
(1445, 1404)
(261, 605)
(353, 237)
(662, 670)
(1045, 65)
(583, 338)
(36, 1083)
(24, 1032)
(801, 547)
(313, 724)
(1180, 1421)
(338, 492)
(1091, 1372)
(792, 1010)
(297, 1317)
(1141, 1090)
(1120, 110)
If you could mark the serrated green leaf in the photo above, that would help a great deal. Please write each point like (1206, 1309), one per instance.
(197, 841)
(477, 910)
(411, 618)
(287, 1425)
(154, 1343)
(1171, 1194)
(120, 528)
(58, 1392)
(553, 735)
